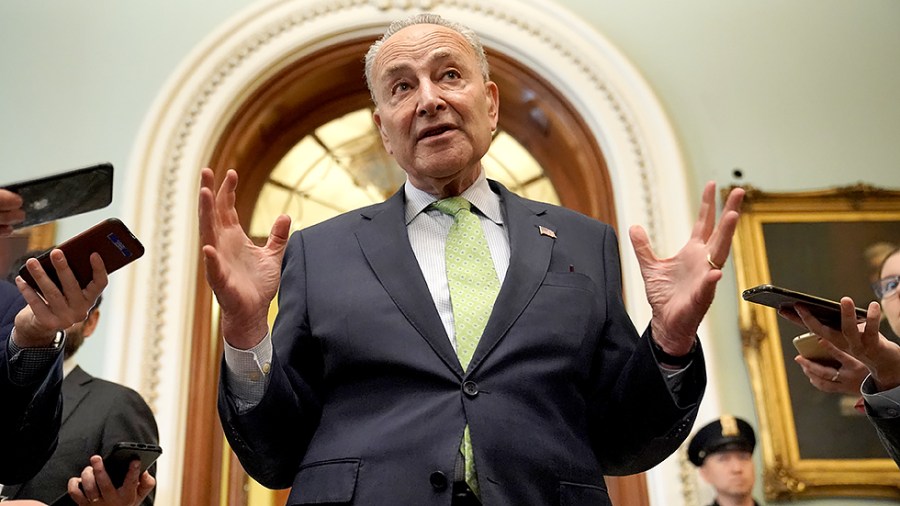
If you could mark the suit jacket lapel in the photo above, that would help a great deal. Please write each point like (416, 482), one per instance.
(528, 263)
(74, 390)
(384, 241)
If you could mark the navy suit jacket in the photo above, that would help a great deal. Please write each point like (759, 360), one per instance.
(367, 401)
(96, 415)
(30, 416)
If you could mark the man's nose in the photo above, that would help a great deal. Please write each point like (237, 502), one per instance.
(430, 99)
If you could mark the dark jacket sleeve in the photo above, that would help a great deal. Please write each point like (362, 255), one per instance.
(31, 412)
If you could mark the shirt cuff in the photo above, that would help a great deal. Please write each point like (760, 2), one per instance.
(247, 373)
(884, 404)
(30, 365)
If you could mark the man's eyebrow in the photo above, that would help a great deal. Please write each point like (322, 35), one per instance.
(399, 68)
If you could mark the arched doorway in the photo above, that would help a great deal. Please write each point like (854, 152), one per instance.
(166, 356)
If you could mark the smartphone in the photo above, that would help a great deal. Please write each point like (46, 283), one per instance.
(809, 347)
(826, 311)
(65, 194)
(110, 238)
(116, 463)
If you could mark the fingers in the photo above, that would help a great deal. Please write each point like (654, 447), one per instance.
(89, 483)
(278, 236)
(820, 376)
(641, 244)
(706, 219)
(146, 484)
(102, 479)
(225, 199)
(721, 237)
(11, 211)
(816, 327)
(869, 338)
(206, 207)
(59, 306)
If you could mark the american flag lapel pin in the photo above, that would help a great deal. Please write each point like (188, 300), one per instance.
(546, 231)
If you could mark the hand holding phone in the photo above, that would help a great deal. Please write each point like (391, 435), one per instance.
(826, 311)
(65, 194)
(117, 462)
(809, 347)
(110, 238)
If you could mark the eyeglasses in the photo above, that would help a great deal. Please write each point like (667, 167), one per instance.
(886, 287)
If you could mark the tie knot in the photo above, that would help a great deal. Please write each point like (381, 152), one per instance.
(452, 205)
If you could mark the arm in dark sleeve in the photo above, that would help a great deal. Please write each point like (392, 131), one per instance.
(31, 410)
(271, 438)
(637, 421)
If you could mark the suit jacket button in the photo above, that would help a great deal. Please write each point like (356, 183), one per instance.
(438, 481)
(470, 388)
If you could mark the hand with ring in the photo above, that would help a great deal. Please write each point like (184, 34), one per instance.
(94, 487)
(846, 379)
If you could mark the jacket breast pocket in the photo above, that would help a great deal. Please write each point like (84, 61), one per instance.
(578, 494)
(328, 482)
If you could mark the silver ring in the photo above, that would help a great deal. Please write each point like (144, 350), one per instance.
(834, 379)
(712, 264)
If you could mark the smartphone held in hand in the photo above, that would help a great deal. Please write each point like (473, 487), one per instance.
(826, 311)
(65, 194)
(808, 345)
(110, 238)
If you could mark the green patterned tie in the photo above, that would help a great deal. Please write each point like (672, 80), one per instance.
(473, 289)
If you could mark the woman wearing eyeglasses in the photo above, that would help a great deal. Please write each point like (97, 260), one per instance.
(860, 347)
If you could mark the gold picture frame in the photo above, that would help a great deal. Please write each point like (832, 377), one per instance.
(813, 444)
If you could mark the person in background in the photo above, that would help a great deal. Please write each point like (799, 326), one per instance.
(456, 344)
(858, 345)
(31, 345)
(723, 452)
(96, 415)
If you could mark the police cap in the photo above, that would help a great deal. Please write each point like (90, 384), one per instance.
(726, 433)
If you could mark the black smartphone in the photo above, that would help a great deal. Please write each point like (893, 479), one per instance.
(826, 311)
(116, 463)
(65, 194)
(110, 238)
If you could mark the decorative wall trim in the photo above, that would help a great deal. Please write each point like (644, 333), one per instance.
(180, 129)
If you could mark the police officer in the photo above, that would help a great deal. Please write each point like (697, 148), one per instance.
(723, 452)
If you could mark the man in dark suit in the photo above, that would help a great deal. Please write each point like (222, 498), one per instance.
(96, 415)
(370, 391)
(31, 340)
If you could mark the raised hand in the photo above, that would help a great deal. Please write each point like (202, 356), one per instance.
(243, 276)
(680, 289)
(37, 323)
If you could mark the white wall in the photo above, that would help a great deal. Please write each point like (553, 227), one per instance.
(798, 95)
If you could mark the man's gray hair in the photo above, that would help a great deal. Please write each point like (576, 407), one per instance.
(426, 19)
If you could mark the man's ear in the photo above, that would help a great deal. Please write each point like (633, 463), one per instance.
(90, 324)
(493, 96)
(376, 116)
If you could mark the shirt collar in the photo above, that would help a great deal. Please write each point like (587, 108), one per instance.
(69, 365)
(479, 194)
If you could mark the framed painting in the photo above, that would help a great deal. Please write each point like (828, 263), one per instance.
(825, 243)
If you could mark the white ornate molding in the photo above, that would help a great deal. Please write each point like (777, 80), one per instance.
(646, 168)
